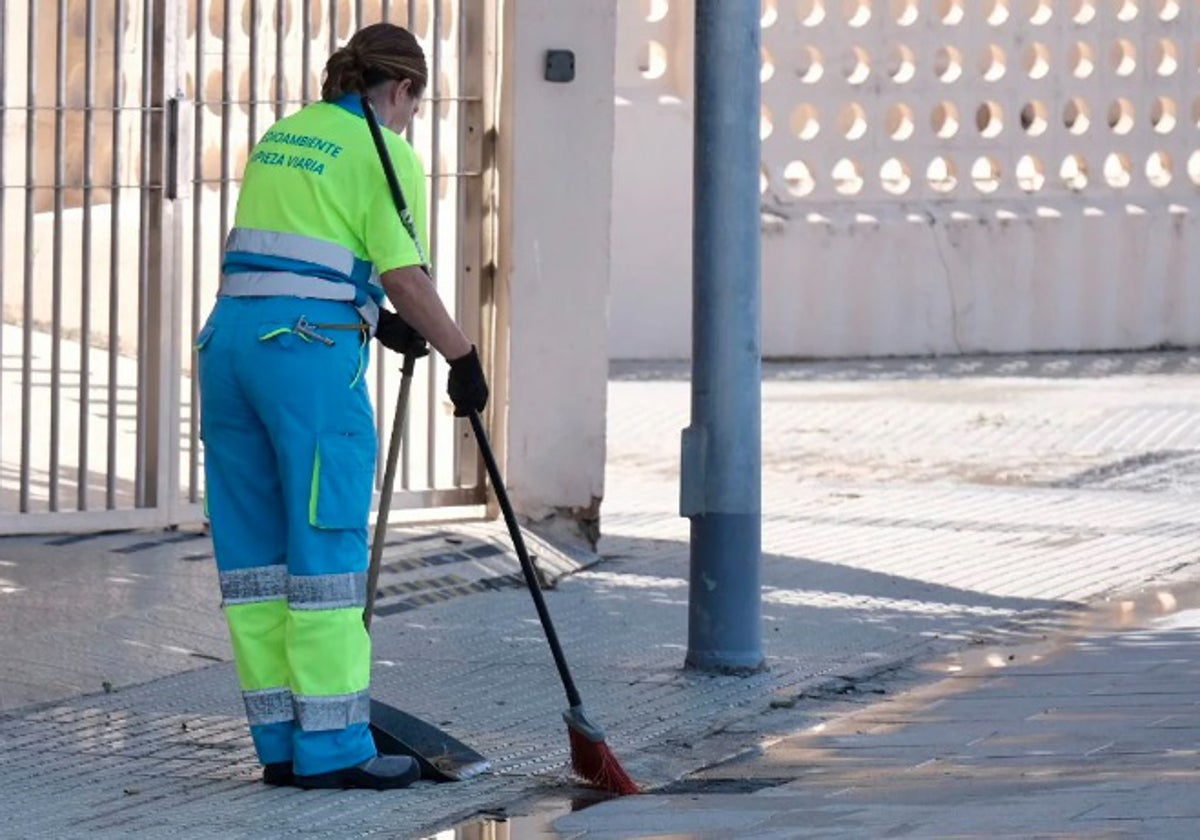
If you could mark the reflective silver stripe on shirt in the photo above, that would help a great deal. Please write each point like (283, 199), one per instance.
(269, 705)
(292, 246)
(250, 586)
(286, 283)
(327, 592)
(289, 284)
(320, 714)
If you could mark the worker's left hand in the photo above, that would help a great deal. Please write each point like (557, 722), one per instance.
(395, 334)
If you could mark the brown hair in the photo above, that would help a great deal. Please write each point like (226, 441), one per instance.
(377, 53)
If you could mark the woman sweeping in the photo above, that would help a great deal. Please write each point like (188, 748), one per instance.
(316, 253)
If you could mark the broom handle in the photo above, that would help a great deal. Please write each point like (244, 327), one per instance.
(514, 530)
(389, 482)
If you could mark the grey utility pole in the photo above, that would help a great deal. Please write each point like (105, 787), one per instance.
(721, 488)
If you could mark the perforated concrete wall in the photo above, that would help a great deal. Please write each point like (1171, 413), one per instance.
(938, 176)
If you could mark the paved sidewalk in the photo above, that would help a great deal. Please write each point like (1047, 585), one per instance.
(910, 509)
(1082, 734)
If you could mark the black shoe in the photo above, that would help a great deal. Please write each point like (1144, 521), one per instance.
(278, 774)
(383, 772)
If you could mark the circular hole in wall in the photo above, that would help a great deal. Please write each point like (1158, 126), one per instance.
(904, 12)
(767, 69)
(945, 120)
(985, 174)
(1037, 60)
(948, 64)
(770, 13)
(857, 12)
(1083, 60)
(1030, 173)
(992, 64)
(1040, 11)
(941, 174)
(1193, 167)
(811, 12)
(810, 67)
(1083, 11)
(1168, 10)
(895, 177)
(1120, 116)
(766, 123)
(655, 10)
(856, 66)
(847, 176)
(998, 12)
(799, 178)
(1077, 116)
(1164, 115)
(951, 12)
(852, 121)
(1035, 118)
(652, 60)
(1159, 169)
(901, 64)
(1127, 11)
(764, 179)
(1118, 170)
(989, 119)
(805, 122)
(900, 122)
(1074, 172)
(1166, 58)
(1123, 57)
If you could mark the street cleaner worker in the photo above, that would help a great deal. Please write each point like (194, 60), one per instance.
(287, 422)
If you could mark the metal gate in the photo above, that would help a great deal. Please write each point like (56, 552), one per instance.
(124, 128)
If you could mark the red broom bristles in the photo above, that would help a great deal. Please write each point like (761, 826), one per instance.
(594, 761)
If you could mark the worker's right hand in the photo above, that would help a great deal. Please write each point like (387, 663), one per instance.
(397, 335)
(467, 387)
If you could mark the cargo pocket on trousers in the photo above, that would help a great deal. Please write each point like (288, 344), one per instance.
(343, 480)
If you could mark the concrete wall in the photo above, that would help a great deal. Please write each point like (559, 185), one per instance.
(937, 177)
(555, 151)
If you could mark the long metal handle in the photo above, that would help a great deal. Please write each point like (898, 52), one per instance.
(389, 482)
(514, 530)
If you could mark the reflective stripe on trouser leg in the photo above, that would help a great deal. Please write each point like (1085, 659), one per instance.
(258, 633)
(316, 409)
(245, 505)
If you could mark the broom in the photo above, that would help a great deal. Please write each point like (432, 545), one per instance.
(591, 757)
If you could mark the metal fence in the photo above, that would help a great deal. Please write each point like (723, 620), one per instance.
(124, 128)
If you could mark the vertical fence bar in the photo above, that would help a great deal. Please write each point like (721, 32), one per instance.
(226, 76)
(306, 53)
(143, 469)
(358, 14)
(435, 168)
(114, 262)
(27, 301)
(85, 290)
(474, 74)
(197, 250)
(252, 105)
(385, 10)
(56, 258)
(333, 25)
(280, 44)
(406, 440)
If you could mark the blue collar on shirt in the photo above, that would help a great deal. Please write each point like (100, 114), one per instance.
(352, 102)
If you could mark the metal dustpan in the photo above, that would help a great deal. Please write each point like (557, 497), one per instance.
(442, 757)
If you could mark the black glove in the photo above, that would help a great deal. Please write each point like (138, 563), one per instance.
(395, 334)
(467, 387)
